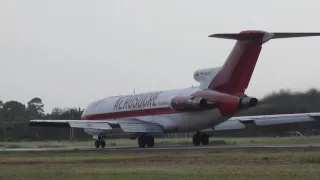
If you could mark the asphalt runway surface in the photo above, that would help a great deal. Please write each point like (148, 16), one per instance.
(165, 148)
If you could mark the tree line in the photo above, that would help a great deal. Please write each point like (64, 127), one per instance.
(15, 116)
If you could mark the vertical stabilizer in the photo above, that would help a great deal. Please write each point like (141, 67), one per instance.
(235, 74)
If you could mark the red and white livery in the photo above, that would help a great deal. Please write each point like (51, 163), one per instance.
(220, 95)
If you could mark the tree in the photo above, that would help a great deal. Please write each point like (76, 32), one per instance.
(76, 113)
(56, 112)
(14, 108)
(35, 108)
(2, 118)
(14, 113)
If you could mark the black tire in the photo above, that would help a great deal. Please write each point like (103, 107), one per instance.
(97, 143)
(103, 143)
(204, 139)
(150, 141)
(196, 140)
(142, 141)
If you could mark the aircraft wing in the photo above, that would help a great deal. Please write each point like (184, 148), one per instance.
(70, 123)
(280, 120)
(131, 125)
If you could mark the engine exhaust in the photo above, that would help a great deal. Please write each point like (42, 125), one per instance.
(247, 102)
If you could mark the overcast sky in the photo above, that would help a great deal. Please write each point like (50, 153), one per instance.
(70, 52)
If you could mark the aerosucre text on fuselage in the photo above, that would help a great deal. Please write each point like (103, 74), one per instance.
(137, 101)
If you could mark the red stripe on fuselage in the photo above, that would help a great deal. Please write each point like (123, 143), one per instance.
(128, 114)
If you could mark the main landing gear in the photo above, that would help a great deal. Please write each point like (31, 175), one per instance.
(148, 140)
(200, 138)
(100, 142)
(145, 140)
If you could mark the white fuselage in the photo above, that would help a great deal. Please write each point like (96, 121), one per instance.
(154, 107)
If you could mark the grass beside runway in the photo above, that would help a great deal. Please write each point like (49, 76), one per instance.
(213, 164)
(161, 142)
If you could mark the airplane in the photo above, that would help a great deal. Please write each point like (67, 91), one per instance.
(219, 96)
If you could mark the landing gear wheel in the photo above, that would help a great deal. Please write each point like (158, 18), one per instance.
(204, 139)
(142, 141)
(97, 143)
(102, 143)
(196, 139)
(150, 141)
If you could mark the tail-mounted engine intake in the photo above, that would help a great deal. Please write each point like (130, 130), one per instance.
(184, 103)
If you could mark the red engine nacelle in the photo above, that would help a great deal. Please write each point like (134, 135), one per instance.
(227, 104)
(234, 104)
(185, 103)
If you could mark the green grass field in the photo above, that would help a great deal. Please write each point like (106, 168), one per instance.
(232, 164)
(161, 142)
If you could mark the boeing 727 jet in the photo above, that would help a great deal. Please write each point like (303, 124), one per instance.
(219, 96)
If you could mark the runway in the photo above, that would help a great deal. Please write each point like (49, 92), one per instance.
(165, 148)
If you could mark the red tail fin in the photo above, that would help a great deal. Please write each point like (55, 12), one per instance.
(236, 72)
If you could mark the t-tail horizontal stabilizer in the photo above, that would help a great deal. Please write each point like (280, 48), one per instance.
(256, 35)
